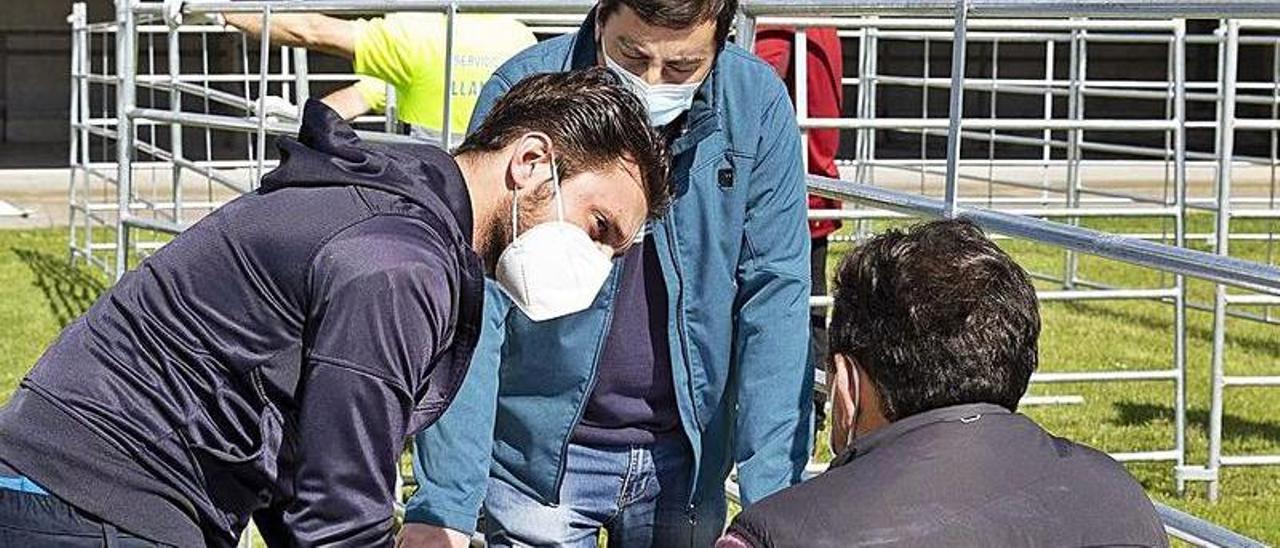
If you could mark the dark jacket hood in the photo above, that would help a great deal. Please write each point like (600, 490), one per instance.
(327, 152)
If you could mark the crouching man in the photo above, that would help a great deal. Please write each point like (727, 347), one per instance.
(271, 361)
(934, 338)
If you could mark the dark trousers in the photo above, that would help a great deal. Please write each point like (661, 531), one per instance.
(31, 520)
(818, 327)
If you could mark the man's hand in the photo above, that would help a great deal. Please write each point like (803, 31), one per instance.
(421, 535)
(174, 18)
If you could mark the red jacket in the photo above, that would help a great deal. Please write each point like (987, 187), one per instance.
(826, 66)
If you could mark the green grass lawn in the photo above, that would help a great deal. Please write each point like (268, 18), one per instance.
(39, 294)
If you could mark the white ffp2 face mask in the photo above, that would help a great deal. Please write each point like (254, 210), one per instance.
(554, 269)
(664, 101)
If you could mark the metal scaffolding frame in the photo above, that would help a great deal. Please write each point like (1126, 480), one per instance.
(1173, 205)
(108, 207)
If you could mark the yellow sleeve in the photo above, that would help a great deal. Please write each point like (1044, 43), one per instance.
(397, 48)
(373, 91)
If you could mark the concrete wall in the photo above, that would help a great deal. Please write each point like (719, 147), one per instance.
(34, 64)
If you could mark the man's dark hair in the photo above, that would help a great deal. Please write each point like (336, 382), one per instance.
(937, 316)
(677, 14)
(592, 120)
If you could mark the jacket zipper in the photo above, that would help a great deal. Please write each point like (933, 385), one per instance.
(688, 363)
(680, 320)
(591, 387)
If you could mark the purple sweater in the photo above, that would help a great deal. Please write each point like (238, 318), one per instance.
(633, 401)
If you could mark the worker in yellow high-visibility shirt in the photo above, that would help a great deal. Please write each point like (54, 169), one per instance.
(406, 50)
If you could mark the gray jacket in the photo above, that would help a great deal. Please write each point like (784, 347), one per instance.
(967, 475)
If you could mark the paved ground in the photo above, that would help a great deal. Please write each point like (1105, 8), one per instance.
(43, 193)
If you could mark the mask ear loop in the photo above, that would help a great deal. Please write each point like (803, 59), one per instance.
(515, 214)
(555, 179)
(857, 402)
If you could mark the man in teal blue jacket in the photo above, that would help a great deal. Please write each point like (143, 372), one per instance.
(629, 416)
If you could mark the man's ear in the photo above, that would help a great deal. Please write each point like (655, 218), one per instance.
(530, 163)
(842, 399)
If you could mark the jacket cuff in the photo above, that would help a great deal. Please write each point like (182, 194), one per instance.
(462, 521)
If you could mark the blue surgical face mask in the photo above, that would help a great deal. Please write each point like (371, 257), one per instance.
(664, 101)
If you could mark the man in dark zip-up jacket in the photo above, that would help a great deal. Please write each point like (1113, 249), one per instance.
(934, 339)
(272, 359)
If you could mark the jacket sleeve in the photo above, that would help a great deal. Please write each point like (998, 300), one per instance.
(451, 458)
(397, 48)
(380, 307)
(772, 375)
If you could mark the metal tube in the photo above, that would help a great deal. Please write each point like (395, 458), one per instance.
(232, 123)
(152, 224)
(924, 113)
(1199, 532)
(1042, 87)
(1075, 110)
(956, 113)
(863, 106)
(284, 71)
(1017, 36)
(124, 130)
(390, 109)
(1104, 212)
(745, 29)
(800, 62)
(264, 67)
(1047, 151)
(873, 87)
(1197, 264)
(86, 64)
(1104, 376)
(1034, 86)
(1180, 240)
(1253, 299)
(1094, 124)
(302, 78)
(1251, 460)
(451, 16)
(1226, 147)
(946, 23)
(573, 7)
(1032, 186)
(1252, 381)
(77, 20)
(1143, 9)
(175, 130)
(1059, 296)
(1104, 295)
(1132, 9)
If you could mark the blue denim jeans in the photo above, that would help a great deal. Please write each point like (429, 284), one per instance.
(30, 516)
(639, 494)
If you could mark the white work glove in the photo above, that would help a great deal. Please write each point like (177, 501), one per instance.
(277, 109)
(174, 18)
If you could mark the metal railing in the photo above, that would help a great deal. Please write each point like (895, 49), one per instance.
(125, 131)
(1178, 524)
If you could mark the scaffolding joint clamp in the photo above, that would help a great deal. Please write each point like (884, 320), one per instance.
(1195, 473)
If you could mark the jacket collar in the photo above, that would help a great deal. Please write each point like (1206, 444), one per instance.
(703, 115)
(967, 413)
(328, 152)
